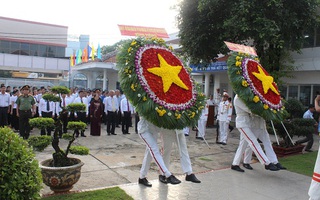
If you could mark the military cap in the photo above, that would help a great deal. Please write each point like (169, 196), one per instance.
(25, 87)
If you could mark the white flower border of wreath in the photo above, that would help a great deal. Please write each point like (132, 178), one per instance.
(146, 87)
(246, 76)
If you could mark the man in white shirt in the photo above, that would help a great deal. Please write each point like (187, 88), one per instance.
(126, 111)
(4, 106)
(111, 107)
(309, 137)
(62, 113)
(224, 117)
(81, 116)
(46, 109)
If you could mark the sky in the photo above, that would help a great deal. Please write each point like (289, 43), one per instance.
(97, 18)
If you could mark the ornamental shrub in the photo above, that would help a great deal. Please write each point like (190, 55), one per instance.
(39, 143)
(20, 175)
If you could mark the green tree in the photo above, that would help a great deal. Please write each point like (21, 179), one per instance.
(273, 27)
(111, 48)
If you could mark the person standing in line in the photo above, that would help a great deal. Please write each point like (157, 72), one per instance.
(96, 111)
(170, 137)
(62, 113)
(13, 112)
(126, 111)
(224, 117)
(309, 137)
(25, 110)
(111, 108)
(46, 109)
(82, 115)
(246, 123)
(118, 119)
(201, 132)
(4, 106)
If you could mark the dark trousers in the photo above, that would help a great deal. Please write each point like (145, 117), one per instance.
(24, 126)
(137, 119)
(82, 117)
(309, 139)
(118, 118)
(64, 120)
(3, 116)
(111, 122)
(14, 120)
(126, 122)
(47, 115)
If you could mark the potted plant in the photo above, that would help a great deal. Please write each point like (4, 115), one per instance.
(60, 172)
(295, 126)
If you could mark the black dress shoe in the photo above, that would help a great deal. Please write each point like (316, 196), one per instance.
(127, 133)
(83, 136)
(247, 166)
(271, 167)
(192, 178)
(186, 134)
(145, 182)
(308, 150)
(113, 134)
(162, 179)
(218, 142)
(223, 143)
(199, 138)
(236, 168)
(173, 180)
(280, 166)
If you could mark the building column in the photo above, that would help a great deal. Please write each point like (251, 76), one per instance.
(216, 83)
(104, 79)
(206, 84)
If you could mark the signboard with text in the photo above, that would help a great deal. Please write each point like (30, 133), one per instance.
(142, 31)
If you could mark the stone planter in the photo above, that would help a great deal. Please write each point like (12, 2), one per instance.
(286, 151)
(61, 179)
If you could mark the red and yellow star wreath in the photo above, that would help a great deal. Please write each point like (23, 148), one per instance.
(255, 86)
(159, 86)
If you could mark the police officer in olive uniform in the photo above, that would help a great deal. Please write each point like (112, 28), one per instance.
(25, 109)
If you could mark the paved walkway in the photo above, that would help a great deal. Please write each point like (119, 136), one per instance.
(116, 161)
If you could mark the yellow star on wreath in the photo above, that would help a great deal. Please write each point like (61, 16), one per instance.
(168, 73)
(267, 81)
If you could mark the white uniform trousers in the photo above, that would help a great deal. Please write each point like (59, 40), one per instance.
(263, 135)
(202, 127)
(314, 189)
(224, 130)
(251, 139)
(179, 139)
(241, 148)
(150, 139)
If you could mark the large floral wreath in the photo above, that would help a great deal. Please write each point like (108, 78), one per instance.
(158, 85)
(255, 86)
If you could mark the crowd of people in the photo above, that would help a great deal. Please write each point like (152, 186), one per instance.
(19, 104)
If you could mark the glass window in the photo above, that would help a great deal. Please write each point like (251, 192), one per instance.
(283, 91)
(25, 49)
(15, 47)
(316, 89)
(293, 92)
(34, 49)
(99, 81)
(4, 47)
(42, 50)
(60, 52)
(305, 95)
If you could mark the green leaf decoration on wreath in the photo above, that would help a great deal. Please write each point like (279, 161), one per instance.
(255, 87)
(158, 84)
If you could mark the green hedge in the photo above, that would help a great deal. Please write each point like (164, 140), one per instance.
(20, 175)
